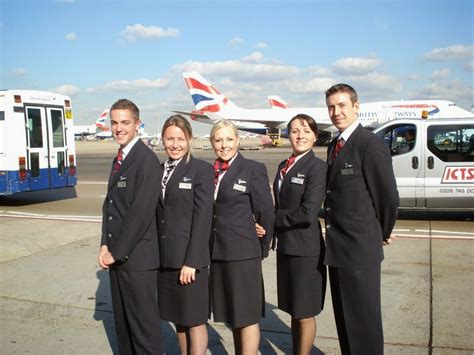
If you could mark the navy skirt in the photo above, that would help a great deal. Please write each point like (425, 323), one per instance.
(301, 285)
(237, 292)
(186, 305)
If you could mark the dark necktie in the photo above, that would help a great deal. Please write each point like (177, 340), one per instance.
(340, 143)
(219, 167)
(169, 167)
(289, 162)
(118, 160)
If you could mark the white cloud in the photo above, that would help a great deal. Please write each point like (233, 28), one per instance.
(414, 77)
(71, 36)
(235, 42)
(448, 53)
(469, 66)
(440, 74)
(255, 57)
(261, 45)
(356, 65)
(129, 86)
(455, 90)
(138, 31)
(19, 72)
(69, 90)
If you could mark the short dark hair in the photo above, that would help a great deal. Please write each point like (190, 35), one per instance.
(309, 120)
(125, 104)
(343, 88)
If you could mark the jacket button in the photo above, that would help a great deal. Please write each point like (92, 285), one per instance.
(109, 235)
(110, 218)
(162, 221)
(328, 191)
(328, 209)
(328, 226)
(110, 201)
(163, 237)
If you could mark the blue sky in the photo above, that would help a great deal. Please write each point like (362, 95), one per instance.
(99, 51)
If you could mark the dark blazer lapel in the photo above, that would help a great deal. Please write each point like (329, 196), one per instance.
(178, 172)
(345, 153)
(128, 162)
(230, 173)
(296, 168)
(276, 191)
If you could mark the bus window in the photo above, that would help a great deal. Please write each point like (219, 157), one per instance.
(2, 115)
(35, 129)
(452, 143)
(58, 131)
(61, 163)
(35, 165)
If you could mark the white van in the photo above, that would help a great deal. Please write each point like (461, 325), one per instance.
(433, 161)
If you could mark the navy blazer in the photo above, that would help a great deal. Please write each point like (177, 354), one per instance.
(297, 203)
(128, 219)
(185, 215)
(361, 201)
(243, 198)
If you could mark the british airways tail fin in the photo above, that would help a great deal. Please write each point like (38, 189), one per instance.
(100, 123)
(205, 96)
(277, 102)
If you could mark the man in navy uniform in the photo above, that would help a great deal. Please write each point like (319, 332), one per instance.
(129, 245)
(361, 210)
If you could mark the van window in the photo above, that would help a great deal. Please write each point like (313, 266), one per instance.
(453, 143)
(400, 139)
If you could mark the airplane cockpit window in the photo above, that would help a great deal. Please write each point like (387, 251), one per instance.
(399, 139)
(452, 143)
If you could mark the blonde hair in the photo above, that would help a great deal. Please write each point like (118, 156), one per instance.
(222, 124)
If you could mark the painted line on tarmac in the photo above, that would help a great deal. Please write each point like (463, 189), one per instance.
(92, 182)
(25, 215)
(427, 236)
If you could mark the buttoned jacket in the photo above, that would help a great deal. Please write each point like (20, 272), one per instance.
(129, 225)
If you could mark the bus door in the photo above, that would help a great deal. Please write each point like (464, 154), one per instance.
(37, 148)
(57, 147)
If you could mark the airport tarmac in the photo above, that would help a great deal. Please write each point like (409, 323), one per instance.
(54, 299)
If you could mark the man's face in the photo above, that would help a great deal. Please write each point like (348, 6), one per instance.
(341, 110)
(124, 126)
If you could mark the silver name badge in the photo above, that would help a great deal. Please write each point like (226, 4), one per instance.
(240, 187)
(121, 184)
(297, 180)
(185, 185)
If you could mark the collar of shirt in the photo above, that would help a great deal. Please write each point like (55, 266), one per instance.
(348, 131)
(128, 147)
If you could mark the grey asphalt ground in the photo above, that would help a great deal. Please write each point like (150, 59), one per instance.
(54, 299)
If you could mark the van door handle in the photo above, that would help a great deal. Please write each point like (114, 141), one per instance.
(414, 162)
(430, 163)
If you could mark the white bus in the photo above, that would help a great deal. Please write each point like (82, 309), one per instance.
(37, 150)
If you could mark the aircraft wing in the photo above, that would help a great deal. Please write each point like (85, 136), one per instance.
(201, 116)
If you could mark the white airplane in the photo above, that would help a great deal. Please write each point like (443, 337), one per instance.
(97, 130)
(211, 105)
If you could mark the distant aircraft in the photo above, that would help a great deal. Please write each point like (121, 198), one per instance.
(98, 130)
(211, 105)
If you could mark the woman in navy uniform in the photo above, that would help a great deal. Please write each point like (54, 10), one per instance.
(184, 216)
(242, 198)
(299, 189)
